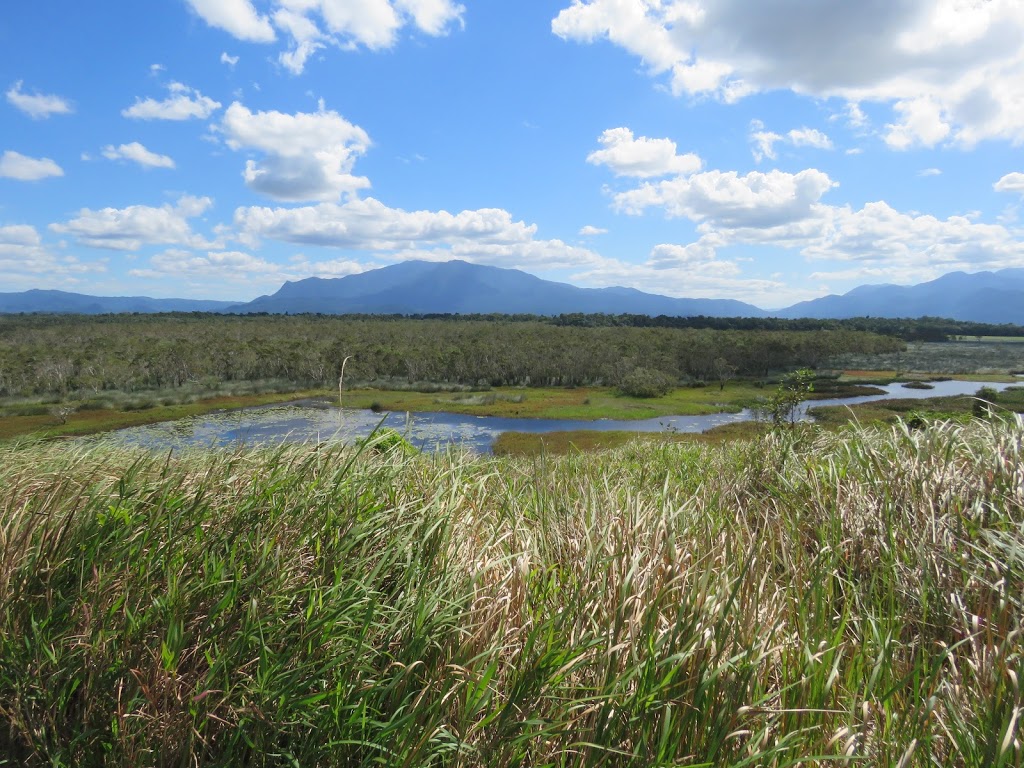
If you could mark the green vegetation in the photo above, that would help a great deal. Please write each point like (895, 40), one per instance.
(585, 440)
(804, 598)
(984, 403)
(39, 420)
(644, 383)
(965, 360)
(92, 358)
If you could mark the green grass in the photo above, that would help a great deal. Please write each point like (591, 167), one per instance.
(1010, 399)
(88, 421)
(587, 403)
(574, 441)
(802, 598)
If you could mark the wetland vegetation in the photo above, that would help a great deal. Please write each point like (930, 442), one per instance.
(763, 594)
(805, 597)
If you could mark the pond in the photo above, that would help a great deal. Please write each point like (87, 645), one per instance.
(321, 421)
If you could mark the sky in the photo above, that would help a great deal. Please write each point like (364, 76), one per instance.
(770, 152)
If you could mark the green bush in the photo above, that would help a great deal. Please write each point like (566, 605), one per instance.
(646, 382)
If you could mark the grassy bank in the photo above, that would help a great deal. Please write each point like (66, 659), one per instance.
(1010, 400)
(803, 598)
(116, 411)
(589, 403)
(42, 421)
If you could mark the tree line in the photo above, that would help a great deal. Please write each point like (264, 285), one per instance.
(81, 354)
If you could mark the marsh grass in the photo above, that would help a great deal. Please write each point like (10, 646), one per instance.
(804, 598)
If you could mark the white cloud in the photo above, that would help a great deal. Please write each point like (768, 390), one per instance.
(953, 70)
(1011, 182)
(764, 141)
(236, 17)
(310, 25)
(231, 61)
(24, 260)
(642, 157)
(591, 231)
(137, 154)
(36, 105)
(724, 198)
(878, 235)
(128, 229)
(14, 165)
(698, 258)
(306, 37)
(925, 173)
(184, 103)
(371, 225)
(308, 156)
(487, 235)
(217, 267)
(19, 235)
(809, 137)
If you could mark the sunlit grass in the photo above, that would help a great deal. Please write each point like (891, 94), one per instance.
(803, 598)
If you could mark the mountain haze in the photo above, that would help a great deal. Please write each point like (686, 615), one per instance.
(458, 287)
(981, 297)
(62, 302)
(423, 287)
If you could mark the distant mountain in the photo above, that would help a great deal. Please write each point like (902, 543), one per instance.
(63, 302)
(450, 287)
(982, 297)
(423, 287)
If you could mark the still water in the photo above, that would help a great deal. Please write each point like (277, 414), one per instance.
(314, 421)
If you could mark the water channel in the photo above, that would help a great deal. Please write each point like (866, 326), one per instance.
(321, 421)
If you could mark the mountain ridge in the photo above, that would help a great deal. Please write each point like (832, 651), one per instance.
(459, 287)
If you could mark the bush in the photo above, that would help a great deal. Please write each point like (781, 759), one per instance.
(646, 382)
(984, 398)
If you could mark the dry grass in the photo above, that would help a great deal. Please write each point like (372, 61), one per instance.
(804, 598)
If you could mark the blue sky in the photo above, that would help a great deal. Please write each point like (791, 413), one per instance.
(703, 148)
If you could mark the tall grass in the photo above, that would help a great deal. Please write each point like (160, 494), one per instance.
(801, 599)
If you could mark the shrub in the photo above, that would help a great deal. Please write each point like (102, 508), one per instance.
(646, 382)
(984, 398)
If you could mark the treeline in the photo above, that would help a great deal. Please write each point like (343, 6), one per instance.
(909, 329)
(935, 329)
(81, 354)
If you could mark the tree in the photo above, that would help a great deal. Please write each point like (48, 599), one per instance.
(792, 390)
(724, 371)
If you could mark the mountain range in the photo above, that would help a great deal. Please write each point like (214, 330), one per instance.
(421, 287)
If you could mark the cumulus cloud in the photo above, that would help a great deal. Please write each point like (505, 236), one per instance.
(236, 17)
(488, 235)
(764, 141)
(953, 70)
(309, 25)
(128, 229)
(727, 199)
(371, 225)
(137, 153)
(641, 157)
(925, 173)
(239, 267)
(38, 106)
(591, 231)
(307, 156)
(698, 258)
(14, 165)
(183, 103)
(24, 260)
(231, 61)
(1011, 182)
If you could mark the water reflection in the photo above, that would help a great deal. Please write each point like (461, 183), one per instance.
(320, 421)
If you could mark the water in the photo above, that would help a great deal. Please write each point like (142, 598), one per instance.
(320, 422)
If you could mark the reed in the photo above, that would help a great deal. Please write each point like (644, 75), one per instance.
(803, 598)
